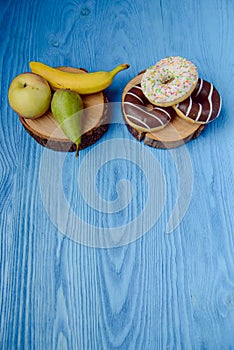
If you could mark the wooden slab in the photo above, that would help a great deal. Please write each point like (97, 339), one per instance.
(46, 131)
(175, 134)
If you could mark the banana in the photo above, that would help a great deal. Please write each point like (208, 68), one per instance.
(83, 84)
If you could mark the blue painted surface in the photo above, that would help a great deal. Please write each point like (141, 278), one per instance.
(162, 291)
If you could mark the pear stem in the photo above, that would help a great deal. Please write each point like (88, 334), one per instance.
(77, 151)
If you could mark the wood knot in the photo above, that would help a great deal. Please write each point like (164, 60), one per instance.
(85, 11)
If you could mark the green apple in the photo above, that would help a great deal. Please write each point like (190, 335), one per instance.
(29, 95)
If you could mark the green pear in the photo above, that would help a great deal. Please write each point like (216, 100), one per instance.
(67, 108)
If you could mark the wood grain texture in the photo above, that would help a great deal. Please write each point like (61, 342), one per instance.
(162, 291)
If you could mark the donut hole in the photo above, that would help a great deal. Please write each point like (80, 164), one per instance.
(149, 106)
(167, 79)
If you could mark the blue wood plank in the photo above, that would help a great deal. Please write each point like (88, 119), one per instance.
(162, 291)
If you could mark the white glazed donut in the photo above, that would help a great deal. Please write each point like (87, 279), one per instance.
(169, 81)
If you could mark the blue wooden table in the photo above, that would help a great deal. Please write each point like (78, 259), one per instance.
(127, 247)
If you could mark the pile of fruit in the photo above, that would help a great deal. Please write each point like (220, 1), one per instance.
(32, 94)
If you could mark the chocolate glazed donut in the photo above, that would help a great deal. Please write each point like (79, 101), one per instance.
(141, 114)
(202, 106)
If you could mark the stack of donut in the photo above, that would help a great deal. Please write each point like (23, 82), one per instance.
(170, 87)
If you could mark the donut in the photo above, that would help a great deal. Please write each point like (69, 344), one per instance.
(169, 81)
(203, 106)
(141, 114)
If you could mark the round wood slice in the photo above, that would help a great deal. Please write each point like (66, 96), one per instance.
(46, 131)
(175, 134)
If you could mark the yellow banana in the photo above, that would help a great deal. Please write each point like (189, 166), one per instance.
(88, 83)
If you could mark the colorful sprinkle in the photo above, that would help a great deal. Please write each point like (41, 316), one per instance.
(169, 80)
